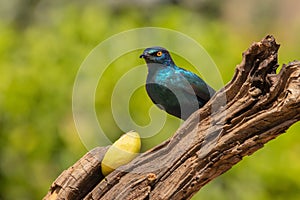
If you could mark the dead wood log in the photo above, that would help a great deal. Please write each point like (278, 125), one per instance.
(77, 181)
(253, 108)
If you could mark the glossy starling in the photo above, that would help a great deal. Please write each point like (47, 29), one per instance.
(177, 91)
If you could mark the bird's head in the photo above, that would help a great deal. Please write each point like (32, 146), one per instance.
(157, 55)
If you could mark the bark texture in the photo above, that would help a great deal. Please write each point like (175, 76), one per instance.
(79, 179)
(253, 108)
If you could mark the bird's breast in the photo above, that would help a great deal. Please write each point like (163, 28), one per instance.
(166, 77)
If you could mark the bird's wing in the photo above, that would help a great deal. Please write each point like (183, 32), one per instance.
(201, 89)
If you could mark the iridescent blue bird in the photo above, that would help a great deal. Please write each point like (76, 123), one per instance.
(177, 91)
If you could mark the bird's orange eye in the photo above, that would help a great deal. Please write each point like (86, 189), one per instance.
(159, 53)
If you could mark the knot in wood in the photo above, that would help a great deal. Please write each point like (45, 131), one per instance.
(151, 177)
(255, 92)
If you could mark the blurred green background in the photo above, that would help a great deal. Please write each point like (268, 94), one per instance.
(43, 43)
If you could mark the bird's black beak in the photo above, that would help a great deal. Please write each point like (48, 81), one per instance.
(145, 55)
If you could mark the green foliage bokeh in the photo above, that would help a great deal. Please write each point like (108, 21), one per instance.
(39, 63)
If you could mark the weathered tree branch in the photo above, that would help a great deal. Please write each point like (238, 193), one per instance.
(79, 179)
(255, 107)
